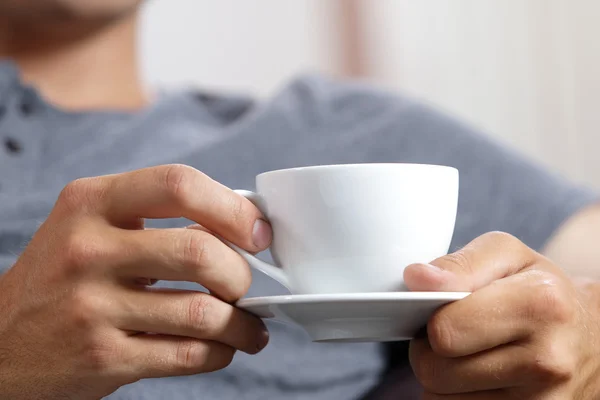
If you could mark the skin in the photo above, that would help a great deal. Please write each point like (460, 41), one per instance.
(527, 331)
(77, 308)
(81, 55)
(80, 317)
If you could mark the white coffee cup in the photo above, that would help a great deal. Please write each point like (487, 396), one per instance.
(354, 228)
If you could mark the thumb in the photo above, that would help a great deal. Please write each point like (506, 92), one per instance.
(486, 259)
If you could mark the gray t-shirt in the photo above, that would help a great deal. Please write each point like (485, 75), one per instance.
(312, 120)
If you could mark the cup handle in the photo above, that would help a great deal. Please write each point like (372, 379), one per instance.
(270, 270)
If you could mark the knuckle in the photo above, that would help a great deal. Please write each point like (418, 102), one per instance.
(190, 355)
(198, 312)
(502, 238)
(457, 261)
(101, 353)
(240, 215)
(442, 335)
(84, 309)
(237, 211)
(80, 194)
(179, 180)
(553, 364)
(73, 192)
(79, 251)
(508, 242)
(195, 249)
(551, 301)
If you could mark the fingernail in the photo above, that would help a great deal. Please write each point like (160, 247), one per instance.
(262, 234)
(263, 339)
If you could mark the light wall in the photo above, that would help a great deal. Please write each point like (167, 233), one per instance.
(250, 46)
(525, 71)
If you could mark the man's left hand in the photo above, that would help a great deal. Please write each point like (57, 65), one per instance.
(526, 332)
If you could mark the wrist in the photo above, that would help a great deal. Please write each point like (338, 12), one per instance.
(590, 292)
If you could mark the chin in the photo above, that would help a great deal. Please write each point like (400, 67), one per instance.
(50, 11)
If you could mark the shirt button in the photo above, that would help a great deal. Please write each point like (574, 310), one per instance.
(26, 108)
(12, 146)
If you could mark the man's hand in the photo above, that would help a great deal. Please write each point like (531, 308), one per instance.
(526, 332)
(78, 318)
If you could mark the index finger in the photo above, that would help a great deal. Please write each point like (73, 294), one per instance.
(488, 258)
(174, 191)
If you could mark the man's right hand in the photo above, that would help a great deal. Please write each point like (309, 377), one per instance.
(79, 319)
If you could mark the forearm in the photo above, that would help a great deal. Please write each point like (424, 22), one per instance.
(576, 246)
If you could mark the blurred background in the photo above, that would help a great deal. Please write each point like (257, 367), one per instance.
(523, 71)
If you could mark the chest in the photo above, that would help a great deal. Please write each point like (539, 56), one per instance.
(291, 363)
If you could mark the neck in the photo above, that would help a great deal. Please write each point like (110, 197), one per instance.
(79, 69)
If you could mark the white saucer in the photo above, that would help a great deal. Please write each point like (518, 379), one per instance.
(354, 317)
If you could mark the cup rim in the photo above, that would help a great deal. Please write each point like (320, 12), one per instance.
(362, 166)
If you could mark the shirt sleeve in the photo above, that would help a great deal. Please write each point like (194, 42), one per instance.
(500, 188)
